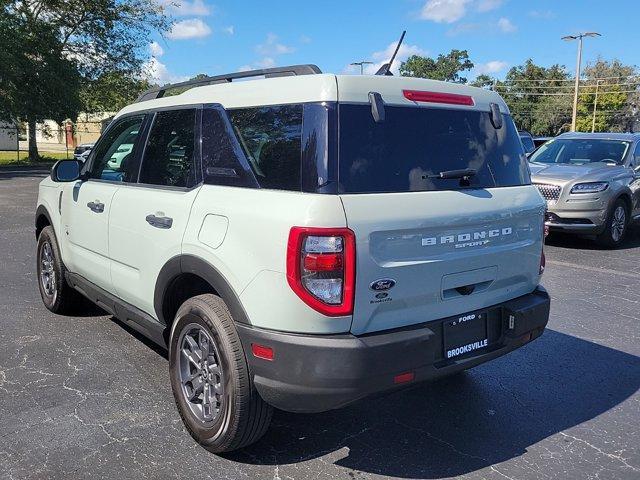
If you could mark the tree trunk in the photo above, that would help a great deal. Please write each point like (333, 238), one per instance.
(33, 146)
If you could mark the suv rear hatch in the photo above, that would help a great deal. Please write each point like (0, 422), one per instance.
(428, 247)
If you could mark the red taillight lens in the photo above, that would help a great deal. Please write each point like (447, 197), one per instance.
(438, 97)
(321, 268)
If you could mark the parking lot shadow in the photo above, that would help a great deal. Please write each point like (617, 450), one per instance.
(565, 240)
(458, 425)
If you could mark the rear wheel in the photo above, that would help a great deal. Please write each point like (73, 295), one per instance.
(57, 295)
(616, 225)
(210, 378)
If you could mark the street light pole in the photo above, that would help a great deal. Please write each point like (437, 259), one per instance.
(578, 37)
(362, 64)
(595, 107)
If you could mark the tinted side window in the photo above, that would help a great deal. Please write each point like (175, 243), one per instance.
(223, 161)
(635, 161)
(271, 140)
(114, 156)
(169, 153)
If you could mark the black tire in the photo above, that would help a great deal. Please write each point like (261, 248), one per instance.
(240, 416)
(61, 298)
(611, 236)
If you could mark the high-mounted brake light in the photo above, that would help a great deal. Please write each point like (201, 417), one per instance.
(438, 97)
(321, 268)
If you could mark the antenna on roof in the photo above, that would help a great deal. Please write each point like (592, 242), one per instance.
(386, 68)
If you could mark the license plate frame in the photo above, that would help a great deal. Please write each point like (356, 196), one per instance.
(464, 334)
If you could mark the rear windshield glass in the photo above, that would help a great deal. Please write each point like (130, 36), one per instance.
(413, 145)
(579, 151)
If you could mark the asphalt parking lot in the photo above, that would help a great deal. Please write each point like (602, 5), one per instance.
(85, 397)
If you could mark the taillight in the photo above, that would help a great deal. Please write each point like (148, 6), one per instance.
(438, 97)
(321, 264)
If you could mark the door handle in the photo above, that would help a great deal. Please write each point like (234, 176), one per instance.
(96, 206)
(159, 222)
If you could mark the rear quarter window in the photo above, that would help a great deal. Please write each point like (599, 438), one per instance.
(271, 139)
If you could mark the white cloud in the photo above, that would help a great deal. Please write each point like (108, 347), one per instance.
(155, 49)
(488, 5)
(305, 39)
(230, 30)
(383, 56)
(272, 47)
(157, 72)
(444, 11)
(506, 26)
(266, 62)
(185, 8)
(541, 14)
(191, 28)
(462, 28)
(494, 66)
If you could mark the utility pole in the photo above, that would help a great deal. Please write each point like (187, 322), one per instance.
(595, 107)
(362, 63)
(578, 37)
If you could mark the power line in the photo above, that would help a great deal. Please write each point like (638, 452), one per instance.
(541, 80)
(561, 94)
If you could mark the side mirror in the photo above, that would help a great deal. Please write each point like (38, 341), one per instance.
(66, 171)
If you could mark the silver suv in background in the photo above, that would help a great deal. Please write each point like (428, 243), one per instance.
(591, 182)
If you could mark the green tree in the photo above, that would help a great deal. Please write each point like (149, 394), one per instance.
(447, 67)
(38, 82)
(100, 37)
(538, 97)
(617, 86)
(111, 91)
(483, 81)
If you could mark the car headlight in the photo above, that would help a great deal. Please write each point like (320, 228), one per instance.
(591, 187)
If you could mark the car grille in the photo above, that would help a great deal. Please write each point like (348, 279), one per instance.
(551, 193)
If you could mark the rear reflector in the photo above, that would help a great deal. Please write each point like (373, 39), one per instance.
(260, 351)
(438, 97)
(404, 377)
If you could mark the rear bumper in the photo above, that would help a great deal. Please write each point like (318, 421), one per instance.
(314, 373)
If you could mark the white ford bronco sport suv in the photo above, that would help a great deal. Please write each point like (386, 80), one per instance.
(302, 240)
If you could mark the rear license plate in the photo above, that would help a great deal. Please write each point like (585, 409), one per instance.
(465, 334)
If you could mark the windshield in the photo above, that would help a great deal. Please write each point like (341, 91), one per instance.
(413, 145)
(578, 151)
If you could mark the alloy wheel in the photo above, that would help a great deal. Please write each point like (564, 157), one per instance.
(618, 223)
(47, 270)
(201, 375)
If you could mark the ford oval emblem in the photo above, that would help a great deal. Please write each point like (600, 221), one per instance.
(382, 284)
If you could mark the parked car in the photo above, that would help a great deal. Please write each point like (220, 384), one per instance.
(82, 151)
(302, 241)
(527, 141)
(590, 182)
(537, 141)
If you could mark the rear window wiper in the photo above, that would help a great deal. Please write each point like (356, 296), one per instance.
(465, 174)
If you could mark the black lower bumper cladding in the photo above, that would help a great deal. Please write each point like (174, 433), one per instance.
(314, 373)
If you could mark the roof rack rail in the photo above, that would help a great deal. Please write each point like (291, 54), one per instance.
(291, 70)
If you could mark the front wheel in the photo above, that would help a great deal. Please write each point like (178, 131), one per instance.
(210, 378)
(616, 225)
(57, 295)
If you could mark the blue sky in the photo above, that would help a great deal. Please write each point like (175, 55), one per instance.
(218, 37)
